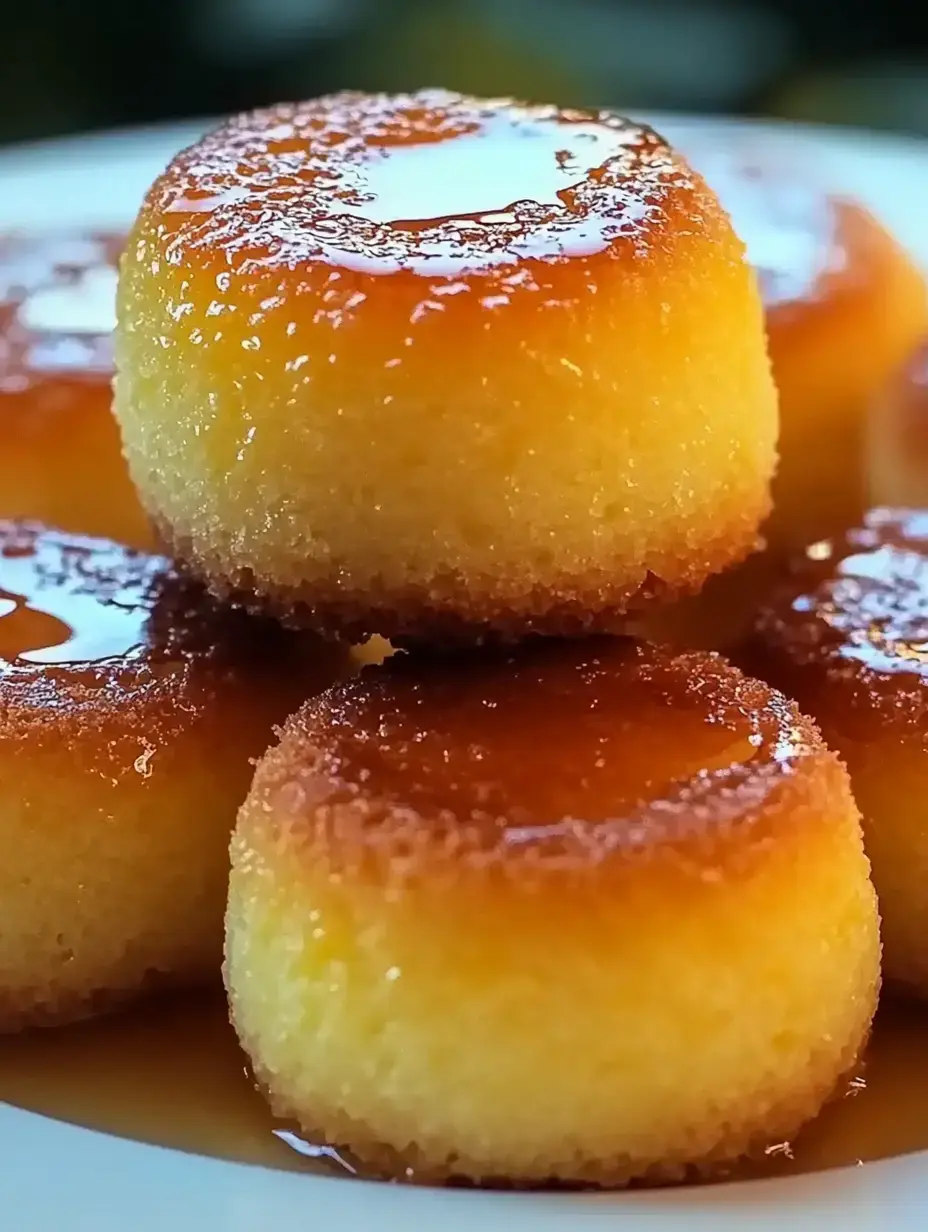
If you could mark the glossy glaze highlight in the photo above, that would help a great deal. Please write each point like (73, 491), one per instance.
(859, 600)
(432, 183)
(66, 600)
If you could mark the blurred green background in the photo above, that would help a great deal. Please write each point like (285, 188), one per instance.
(71, 65)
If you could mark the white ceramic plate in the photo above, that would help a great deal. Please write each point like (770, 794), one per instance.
(60, 1177)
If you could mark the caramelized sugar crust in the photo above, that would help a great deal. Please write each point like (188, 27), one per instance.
(406, 365)
(847, 636)
(130, 706)
(844, 306)
(586, 911)
(60, 452)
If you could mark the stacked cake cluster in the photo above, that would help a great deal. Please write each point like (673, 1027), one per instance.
(532, 890)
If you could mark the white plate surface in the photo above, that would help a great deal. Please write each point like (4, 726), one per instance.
(60, 1177)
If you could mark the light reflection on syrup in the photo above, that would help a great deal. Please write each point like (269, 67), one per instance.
(171, 1073)
(433, 183)
(869, 592)
(479, 176)
(312, 1150)
(66, 600)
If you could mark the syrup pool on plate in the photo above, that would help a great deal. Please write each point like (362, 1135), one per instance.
(171, 1073)
(62, 601)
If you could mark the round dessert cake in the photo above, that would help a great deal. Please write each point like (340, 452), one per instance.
(437, 368)
(847, 636)
(845, 305)
(585, 912)
(131, 706)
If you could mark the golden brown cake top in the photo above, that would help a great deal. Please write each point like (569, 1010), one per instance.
(434, 182)
(57, 297)
(556, 754)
